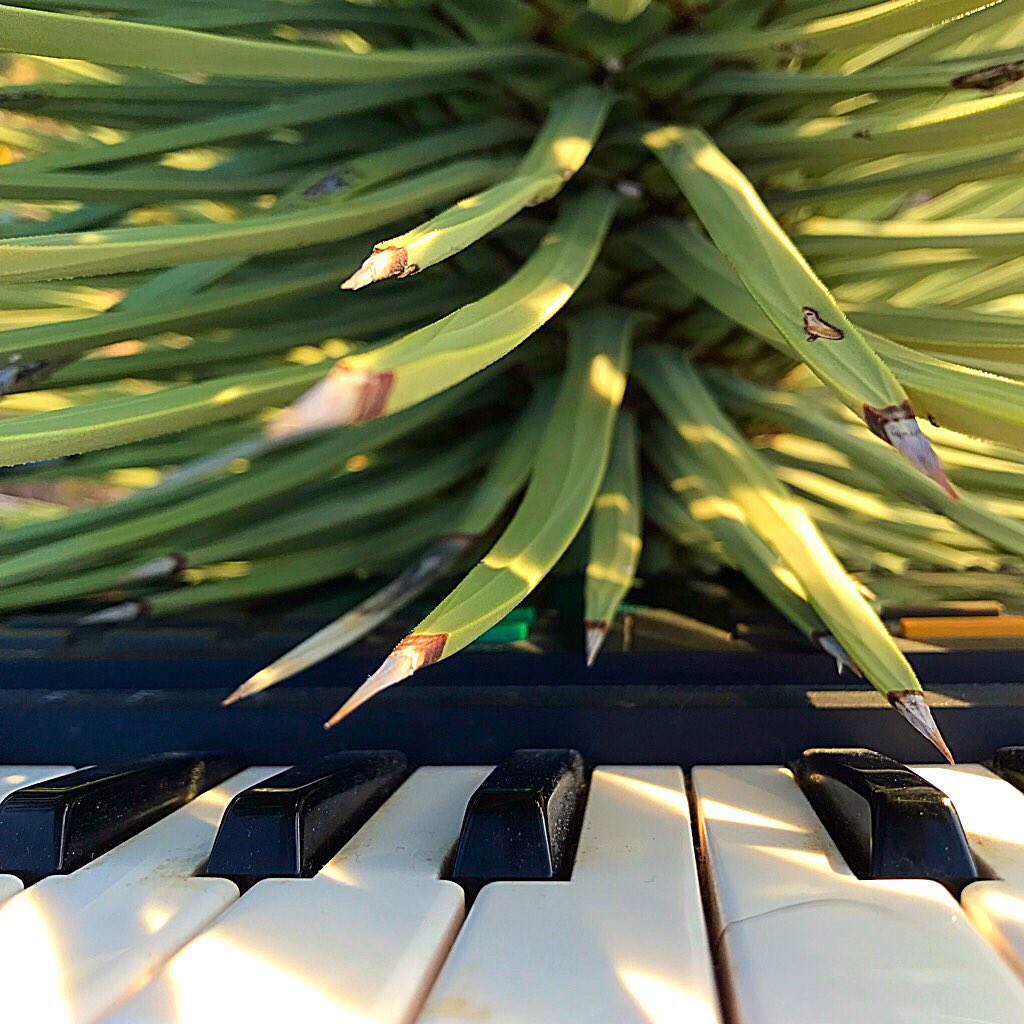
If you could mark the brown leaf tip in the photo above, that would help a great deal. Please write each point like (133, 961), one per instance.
(992, 78)
(818, 328)
(912, 705)
(879, 419)
(383, 263)
(372, 396)
(400, 265)
(897, 425)
(421, 649)
(346, 395)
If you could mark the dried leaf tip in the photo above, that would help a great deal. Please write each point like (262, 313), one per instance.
(410, 655)
(127, 611)
(913, 707)
(994, 78)
(9, 376)
(344, 396)
(897, 425)
(594, 639)
(155, 568)
(255, 684)
(379, 266)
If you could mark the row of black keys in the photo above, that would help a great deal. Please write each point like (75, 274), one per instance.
(522, 823)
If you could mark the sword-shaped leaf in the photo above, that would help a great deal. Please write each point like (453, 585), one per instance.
(727, 458)
(568, 469)
(46, 257)
(432, 358)
(615, 542)
(790, 294)
(505, 476)
(851, 28)
(157, 47)
(559, 150)
(237, 581)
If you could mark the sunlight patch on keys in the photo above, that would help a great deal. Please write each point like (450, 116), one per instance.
(802, 940)
(806, 860)
(622, 942)
(340, 874)
(662, 1000)
(37, 960)
(155, 916)
(359, 943)
(992, 813)
(718, 811)
(96, 935)
(265, 987)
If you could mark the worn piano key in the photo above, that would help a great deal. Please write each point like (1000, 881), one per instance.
(992, 812)
(57, 825)
(802, 940)
(13, 778)
(622, 942)
(361, 941)
(289, 825)
(76, 945)
(522, 822)
(887, 821)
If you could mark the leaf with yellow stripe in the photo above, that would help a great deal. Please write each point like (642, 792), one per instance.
(615, 528)
(567, 474)
(783, 284)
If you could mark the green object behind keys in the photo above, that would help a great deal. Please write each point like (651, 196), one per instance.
(515, 626)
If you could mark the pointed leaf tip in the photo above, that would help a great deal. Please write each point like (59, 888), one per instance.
(344, 396)
(897, 425)
(254, 684)
(594, 640)
(913, 707)
(912, 444)
(127, 611)
(379, 266)
(165, 565)
(408, 656)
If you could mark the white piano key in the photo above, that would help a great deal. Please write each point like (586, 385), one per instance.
(75, 945)
(992, 813)
(358, 944)
(801, 940)
(623, 942)
(13, 778)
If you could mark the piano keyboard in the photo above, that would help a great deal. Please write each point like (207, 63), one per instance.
(844, 888)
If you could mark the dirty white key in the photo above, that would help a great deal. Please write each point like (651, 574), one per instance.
(623, 942)
(802, 940)
(992, 813)
(358, 944)
(13, 778)
(75, 945)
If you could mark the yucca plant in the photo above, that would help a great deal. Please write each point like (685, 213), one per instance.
(715, 271)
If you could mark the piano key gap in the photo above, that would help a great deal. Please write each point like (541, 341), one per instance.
(712, 925)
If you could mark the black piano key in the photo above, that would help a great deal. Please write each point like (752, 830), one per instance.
(887, 821)
(523, 822)
(291, 824)
(1008, 763)
(54, 827)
